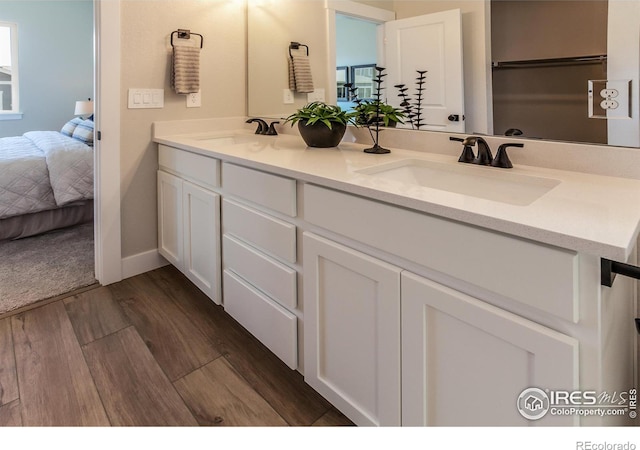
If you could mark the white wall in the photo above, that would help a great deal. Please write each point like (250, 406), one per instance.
(146, 29)
(623, 63)
(55, 57)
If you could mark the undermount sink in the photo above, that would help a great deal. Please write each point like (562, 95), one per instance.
(227, 140)
(485, 182)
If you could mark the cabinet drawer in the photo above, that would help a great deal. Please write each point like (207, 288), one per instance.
(198, 168)
(273, 325)
(272, 235)
(537, 275)
(271, 191)
(273, 278)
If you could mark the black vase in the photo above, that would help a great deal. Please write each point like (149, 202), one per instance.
(319, 135)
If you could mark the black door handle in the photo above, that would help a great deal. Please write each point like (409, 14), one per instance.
(455, 117)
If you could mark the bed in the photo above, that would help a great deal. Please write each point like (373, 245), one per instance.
(46, 180)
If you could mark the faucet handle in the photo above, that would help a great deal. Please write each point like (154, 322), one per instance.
(484, 157)
(467, 155)
(272, 129)
(502, 159)
(262, 125)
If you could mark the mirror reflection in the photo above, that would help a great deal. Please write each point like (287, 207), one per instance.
(525, 66)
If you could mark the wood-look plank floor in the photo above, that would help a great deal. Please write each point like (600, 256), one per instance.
(151, 350)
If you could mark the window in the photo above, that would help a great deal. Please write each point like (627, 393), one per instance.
(8, 69)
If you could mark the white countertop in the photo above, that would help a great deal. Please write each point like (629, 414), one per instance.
(594, 214)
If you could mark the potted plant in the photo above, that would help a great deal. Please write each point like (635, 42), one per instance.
(321, 125)
(368, 112)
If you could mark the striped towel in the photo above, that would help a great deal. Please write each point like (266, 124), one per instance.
(185, 69)
(300, 74)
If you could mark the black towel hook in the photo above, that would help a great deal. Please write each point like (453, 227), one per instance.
(186, 34)
(296, 46)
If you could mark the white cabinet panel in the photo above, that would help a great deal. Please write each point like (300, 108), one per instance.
(189, 231)
(537, 275)
(275, 279)
(200, 169)
(351, 331)
(272, 191)
(170, 240)
(464, 362)
(202, 239)
(274, 236)
(273, 325)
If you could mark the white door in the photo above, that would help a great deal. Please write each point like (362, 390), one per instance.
(432, 42)
(465, 362)
(170, 218)
(352, 331)
(202, 239)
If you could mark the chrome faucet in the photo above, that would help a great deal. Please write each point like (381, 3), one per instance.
(262, 125)
(484, 156)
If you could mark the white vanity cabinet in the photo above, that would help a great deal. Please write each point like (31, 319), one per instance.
(189, 217)
(465, 362)
(259, 256)
(405, 318)
(389, 347)
(352, 331)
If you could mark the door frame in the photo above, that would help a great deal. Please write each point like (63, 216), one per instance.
(358, 10)
(107, 223)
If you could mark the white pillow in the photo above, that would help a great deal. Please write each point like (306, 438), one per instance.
(84, 132)
(70, 126)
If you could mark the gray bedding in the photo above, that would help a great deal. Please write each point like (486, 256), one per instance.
(26, 225)
(43, 170)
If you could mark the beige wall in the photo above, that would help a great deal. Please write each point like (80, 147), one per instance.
(270, 31)
(145, 29)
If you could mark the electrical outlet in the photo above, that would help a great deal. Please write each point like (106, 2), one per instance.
(194, 100)
(287, 96)
(609, 104)
(608, 93)
(609, 99)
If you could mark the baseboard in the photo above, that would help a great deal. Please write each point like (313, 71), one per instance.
(141, 263)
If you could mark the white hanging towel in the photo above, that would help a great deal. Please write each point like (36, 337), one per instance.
(185, 69)
(300, 79)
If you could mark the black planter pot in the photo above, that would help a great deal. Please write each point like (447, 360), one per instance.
(320, 135)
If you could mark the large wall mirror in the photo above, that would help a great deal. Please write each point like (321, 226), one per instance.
(526, 63)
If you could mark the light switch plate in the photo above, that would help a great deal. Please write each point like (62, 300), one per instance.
(287, 97)
(145, 98)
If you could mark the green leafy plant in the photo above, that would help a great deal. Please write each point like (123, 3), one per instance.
(323, 113)
(368, 112)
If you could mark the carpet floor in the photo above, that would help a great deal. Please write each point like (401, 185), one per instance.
(45, 266)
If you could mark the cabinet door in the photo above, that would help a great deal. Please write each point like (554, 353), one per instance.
(465, 362)
(170, 218)
(201, 212)
(351, 331)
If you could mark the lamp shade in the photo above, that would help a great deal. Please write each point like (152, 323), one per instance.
(84, 107)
